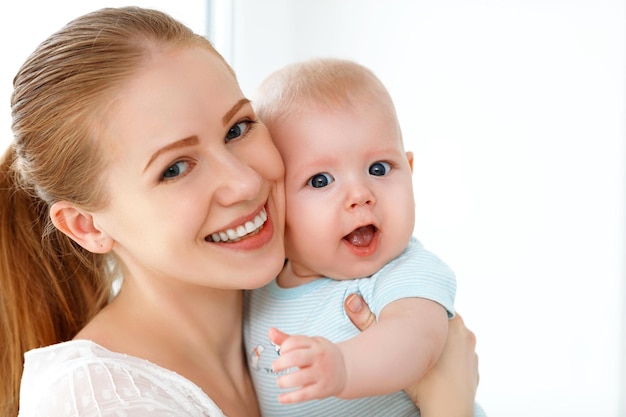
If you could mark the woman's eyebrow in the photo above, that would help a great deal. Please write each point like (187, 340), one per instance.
(230, 113)
(190, 141)
(193, 140)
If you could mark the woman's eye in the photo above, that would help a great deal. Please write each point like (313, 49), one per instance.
(239, 129)
(320, 180)
(379, 169)
(175, 170)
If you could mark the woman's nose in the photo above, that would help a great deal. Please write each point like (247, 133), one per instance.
(238, 182)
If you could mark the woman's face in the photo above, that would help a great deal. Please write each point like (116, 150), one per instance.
(189, 162)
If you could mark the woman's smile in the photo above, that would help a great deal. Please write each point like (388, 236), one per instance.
(249, 228)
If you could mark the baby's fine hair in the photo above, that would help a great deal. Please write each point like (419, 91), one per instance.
(50, 287)
(329, 82)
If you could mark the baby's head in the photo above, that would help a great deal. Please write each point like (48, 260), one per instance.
(350, 205)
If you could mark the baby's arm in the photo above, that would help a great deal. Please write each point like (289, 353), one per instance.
(449, 388)
(390, 355)
(396, 351)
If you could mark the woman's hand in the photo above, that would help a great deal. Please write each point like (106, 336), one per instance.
(449, 388)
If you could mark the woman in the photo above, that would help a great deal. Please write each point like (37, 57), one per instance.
(134, 146)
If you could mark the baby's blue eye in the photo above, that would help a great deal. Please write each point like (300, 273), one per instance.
(320, 180)
(379, 169)
(176, 170)
(238, 130)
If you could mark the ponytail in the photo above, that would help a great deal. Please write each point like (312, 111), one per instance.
(47, 292)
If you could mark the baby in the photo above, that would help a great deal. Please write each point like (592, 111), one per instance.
(349, 224)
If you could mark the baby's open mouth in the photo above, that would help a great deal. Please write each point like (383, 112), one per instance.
(362, 236)
(233, 235)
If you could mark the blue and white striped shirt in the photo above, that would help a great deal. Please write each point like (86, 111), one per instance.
(317, 309)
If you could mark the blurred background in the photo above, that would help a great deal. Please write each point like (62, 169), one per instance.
(514, 110)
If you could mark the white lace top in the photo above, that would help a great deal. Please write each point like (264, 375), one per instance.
(81, 378)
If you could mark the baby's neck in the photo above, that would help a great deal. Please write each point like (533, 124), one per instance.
(294, 275)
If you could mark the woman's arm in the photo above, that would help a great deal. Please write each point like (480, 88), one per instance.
(449, 388)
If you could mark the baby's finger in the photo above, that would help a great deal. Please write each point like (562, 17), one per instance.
(277, 337)
(296, 342)
(299, 358)
(306, 393)
(295, 379)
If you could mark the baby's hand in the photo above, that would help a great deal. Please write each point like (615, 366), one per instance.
(321, 369)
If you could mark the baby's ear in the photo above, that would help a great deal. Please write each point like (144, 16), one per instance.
(409, 157)
(79, 225)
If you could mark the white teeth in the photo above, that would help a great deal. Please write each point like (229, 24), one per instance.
(259, 220)
(234, 235)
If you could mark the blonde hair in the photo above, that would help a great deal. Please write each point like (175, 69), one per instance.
(328, 82)
(50, 287)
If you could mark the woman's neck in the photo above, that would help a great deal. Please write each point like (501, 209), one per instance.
(193, 316)
(194, 331)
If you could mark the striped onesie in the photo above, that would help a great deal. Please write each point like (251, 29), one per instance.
(317, 309)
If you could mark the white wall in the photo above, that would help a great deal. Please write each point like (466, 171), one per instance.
(515, 112)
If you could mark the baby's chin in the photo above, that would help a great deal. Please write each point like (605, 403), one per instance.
(359, 268)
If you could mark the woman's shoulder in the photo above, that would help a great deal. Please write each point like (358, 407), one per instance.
(82, 378)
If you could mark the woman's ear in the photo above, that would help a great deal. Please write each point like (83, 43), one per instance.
(79, 225)
(409, 157)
